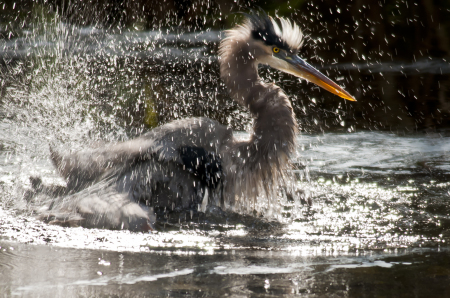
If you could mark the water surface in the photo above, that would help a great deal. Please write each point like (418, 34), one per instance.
(378, 225)
(374, 217)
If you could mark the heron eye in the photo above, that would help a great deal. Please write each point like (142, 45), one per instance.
(276, 50)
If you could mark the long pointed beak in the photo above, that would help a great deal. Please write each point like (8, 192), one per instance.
(300, 68)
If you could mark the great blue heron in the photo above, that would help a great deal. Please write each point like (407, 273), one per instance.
(186, 162)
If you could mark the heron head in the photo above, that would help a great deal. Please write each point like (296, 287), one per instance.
(279, 47)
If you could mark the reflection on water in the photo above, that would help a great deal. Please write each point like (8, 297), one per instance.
(375, 224)
(376, 153)
(50, 271)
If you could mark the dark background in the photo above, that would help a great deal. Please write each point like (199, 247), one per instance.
(391, 55)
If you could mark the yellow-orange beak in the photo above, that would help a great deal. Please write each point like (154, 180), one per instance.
(300, 68)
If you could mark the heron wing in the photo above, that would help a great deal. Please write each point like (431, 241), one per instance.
(162, 144)
(99, 206)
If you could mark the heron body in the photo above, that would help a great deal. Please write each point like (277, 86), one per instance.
(197, 161)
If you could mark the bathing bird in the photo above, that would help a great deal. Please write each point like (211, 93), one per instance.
(198, 162)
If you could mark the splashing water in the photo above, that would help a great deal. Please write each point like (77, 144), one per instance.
(373, 208)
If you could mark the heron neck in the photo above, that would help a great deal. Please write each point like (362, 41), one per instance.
(275, 126)
(240, 75)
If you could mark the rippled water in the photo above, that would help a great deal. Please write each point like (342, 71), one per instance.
(29, 271)
(379, 221)
(375, 218)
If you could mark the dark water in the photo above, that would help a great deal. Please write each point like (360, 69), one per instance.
(376, 173)
(393, 57)
(31, 271)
